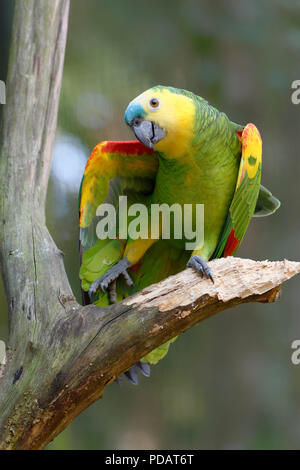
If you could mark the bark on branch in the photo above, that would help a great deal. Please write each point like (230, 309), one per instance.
(60, 355)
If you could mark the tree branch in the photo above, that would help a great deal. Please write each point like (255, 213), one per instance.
(88, 348)
(61, 356)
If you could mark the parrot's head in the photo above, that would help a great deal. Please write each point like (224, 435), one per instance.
(163, 119)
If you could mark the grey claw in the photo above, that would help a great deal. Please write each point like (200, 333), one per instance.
(128, 279)
(110, 276)
(132, 375)
(200, 265)
(93, 288)
(144, 368)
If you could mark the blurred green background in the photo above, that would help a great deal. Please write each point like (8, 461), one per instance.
(229, 382)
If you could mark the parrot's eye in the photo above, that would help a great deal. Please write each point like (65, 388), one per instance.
(154, 103)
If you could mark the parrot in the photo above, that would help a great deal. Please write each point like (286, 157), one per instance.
(186, 152)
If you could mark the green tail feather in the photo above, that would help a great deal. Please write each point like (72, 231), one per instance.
(161, 261)
(266, 203)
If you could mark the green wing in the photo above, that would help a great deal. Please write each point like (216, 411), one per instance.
(246, 193)
(130, 162)
(113, 169)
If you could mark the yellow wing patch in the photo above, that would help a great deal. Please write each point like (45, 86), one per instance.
(251, 151)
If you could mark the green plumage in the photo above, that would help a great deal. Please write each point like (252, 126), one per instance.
(205, 172)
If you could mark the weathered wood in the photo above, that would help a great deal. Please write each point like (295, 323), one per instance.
(60, 355)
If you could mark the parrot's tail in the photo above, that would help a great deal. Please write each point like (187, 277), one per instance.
(161, 261)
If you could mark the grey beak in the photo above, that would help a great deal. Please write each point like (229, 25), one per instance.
(147, 132)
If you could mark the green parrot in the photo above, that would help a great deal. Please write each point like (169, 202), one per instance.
(187, 153)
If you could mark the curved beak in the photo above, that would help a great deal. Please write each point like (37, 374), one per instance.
(147, 132)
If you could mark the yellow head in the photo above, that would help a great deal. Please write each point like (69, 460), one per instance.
(163, 118)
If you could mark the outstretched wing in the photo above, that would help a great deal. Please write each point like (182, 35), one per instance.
(108, 160)
(112, 169)
(246, 193)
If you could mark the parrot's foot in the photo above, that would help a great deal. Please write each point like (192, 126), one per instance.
(198, 263)
(132, 373)
(110, 276)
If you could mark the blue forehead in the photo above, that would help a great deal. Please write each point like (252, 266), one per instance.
(133, 110)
